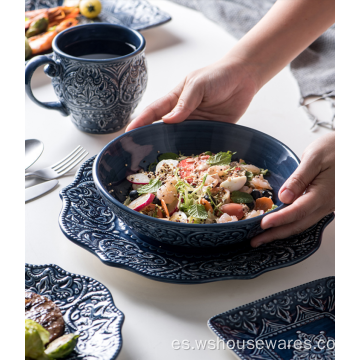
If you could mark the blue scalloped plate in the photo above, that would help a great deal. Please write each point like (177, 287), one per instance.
(136, 14)
(87, 307)
(295, 324)
(88, 222)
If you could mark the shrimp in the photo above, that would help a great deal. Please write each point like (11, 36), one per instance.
(168, 192)
(37, 17)
(253, 214)
(42, 43)
(212, 181)
(246, 189)
(202, 165)
(225, 218)
(54, 15)
(252, 168)
(260, 183)
(220, 170)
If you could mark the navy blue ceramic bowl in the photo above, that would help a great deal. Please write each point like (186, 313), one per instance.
(138, 148)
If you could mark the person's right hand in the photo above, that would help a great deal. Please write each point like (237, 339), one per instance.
(221, 91)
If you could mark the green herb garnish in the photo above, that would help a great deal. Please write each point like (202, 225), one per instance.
(152, 165)
(168, 156)
(198, 211)
(272, 208)
(152, 187)
(221, 158)
(264, 171)
(241, 197)
(249, 175)
(208, 153)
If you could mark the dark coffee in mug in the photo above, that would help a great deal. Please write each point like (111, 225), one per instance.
(99, 75)
(99, 49)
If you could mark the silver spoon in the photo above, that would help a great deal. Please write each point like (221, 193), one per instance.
(33, 150)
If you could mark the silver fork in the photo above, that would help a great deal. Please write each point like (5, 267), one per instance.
(62, 167)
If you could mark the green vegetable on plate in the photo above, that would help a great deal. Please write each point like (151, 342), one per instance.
(35, 339)
(28, 50)
(37, 27)
(62, 346)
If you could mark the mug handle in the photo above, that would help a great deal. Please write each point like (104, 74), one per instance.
(51, 70)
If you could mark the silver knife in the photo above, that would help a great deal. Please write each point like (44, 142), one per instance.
(37, 190)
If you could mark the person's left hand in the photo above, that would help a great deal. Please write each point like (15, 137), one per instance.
(316, 175)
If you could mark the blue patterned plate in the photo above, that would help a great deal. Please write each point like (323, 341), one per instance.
(88, 222)
(87, 307)
(136, 14)
(295, 324)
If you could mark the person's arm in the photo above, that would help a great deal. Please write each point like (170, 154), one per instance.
(283, 33)
(223, 91)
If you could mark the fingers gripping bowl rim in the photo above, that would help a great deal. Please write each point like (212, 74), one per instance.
(136, 149)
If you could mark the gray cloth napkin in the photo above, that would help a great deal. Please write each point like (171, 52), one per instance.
(314, 68)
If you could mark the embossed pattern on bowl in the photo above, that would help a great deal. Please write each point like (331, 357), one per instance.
(138, 148)
(86, 220)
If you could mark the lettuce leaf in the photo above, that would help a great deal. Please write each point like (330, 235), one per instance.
(221, 158)
(198, 211)
(151, 187)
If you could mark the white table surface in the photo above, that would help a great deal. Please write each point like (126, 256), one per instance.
(157, 313)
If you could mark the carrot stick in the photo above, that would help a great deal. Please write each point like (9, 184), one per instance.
(263, 203)
(163, 204)
(207, 205)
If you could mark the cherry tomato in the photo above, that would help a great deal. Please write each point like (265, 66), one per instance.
(186, 169)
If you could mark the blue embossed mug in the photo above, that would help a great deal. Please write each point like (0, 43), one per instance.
(99, 74)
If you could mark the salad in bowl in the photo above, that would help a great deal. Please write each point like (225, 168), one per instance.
(201, 189)
(198, 183)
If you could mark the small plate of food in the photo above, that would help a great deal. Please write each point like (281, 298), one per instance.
(44, 20)
(69, 316)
